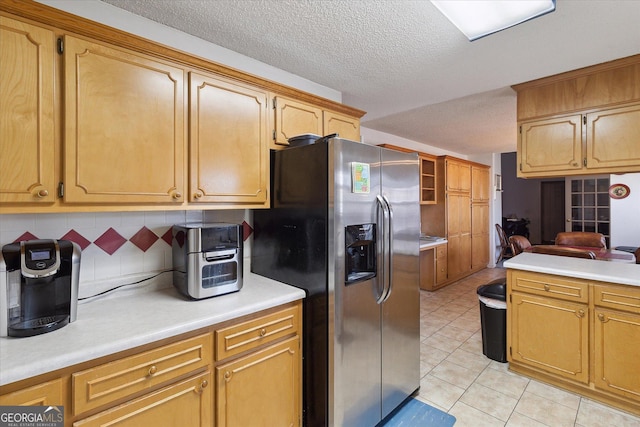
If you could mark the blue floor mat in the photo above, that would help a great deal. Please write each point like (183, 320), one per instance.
(415, 413)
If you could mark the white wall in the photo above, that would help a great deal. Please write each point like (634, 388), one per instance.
(625, 213)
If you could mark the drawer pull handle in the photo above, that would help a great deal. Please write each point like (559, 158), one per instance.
(546, 287)
(203, 385)
(263, 332)
(580, 313)
(152, 370)
(601, 317)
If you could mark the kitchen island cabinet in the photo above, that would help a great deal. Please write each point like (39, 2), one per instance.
(575, 323)
(141, 369)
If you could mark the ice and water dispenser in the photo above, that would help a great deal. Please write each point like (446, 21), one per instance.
(360, 252)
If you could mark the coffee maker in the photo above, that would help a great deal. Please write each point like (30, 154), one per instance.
(38, 286)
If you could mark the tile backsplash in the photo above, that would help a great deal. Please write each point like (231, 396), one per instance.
(117, 247)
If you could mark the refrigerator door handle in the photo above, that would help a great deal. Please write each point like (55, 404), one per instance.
(383, 204)
(389, 249)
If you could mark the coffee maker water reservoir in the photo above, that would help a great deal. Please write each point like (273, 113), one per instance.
(38, 286)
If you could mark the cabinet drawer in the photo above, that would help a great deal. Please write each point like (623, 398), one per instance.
(625, 298)
(253, 333)
(549, 285)
(112, 381)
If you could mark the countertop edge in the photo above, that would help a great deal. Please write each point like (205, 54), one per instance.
(595, 270)
(123, 322)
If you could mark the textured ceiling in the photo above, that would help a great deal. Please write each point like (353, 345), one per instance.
(401, 61)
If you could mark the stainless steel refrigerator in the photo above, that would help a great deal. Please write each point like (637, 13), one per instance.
(345, 226)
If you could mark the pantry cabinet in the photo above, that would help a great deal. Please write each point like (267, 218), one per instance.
(124, 127)
(228, 134)
(575, 333)
(586, 121)
(27, 113)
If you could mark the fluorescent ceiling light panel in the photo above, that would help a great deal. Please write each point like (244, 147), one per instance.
(479, 18)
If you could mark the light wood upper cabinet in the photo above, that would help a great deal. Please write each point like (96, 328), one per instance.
(582, 122)
(124, 126)
(294, 118)
(428, 180)
(27, 113)
(458, 175)
(228, 142)
(550, 146)
(345, 126)
(480, 187)
(613, 139)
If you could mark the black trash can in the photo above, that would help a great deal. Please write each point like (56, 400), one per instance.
(493, 317)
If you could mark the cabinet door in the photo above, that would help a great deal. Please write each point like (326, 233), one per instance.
(346, 127)
(550, 335)
(47, 394)
(550, 145)
(441, 264)
(228, 142)
(458, 176)
(27, 134)
(295, 118)
(479, 184)
(187, 403)
(458, 234)
(124, 126)
(617, 339)
(261, 389)
(613, 139)
(428, 180)
(479, 235)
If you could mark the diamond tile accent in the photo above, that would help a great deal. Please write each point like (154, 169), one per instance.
(110, 241)
(246, 230)
(144, 239)
(25, 236)
(168, 236)
(76, 237)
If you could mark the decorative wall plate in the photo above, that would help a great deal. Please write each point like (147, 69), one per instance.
(619, 191)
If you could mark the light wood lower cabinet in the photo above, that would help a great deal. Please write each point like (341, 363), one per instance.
(259, 389)
(577, 334)
(186, 403)
(254, 377)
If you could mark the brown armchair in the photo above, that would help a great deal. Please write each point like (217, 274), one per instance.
(519, 244)
(559, 250)
(581, 238)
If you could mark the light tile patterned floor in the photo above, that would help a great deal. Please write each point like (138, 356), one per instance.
(459, 379)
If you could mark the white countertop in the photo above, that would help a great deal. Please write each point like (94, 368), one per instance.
(109, 325)
(603, 271)
(428, 244)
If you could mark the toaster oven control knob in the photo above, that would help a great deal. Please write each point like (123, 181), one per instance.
(152, 370)
(42, 193)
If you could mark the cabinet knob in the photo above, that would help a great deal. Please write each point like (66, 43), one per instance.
(263, 332)
(227, 375)
(197, 195)
(601, 317)
(177, 195)
(580, 313)
(152, 370)
(546, 287)
(42, 193)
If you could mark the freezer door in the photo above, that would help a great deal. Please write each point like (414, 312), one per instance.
(354, 330)
(401, 310)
